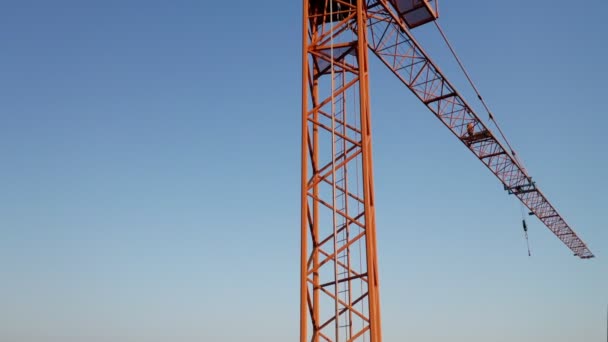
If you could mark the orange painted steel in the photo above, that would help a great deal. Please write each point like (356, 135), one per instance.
(339, 292)
(392, 41)
(339, 289)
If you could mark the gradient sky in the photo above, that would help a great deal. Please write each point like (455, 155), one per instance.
(150, 175)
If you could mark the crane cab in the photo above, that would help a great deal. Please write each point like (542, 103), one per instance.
(414, 12)
(417, 12)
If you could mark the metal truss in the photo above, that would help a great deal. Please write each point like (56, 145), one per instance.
(393, 43)
(339, 293)
(339, 282)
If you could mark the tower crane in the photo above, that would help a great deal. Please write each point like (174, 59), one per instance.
(339, 292)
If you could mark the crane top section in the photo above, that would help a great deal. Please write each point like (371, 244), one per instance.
(417, 12)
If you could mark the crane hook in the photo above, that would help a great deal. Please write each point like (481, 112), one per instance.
(525, 226)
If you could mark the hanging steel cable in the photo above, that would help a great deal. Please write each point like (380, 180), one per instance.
(483, 102)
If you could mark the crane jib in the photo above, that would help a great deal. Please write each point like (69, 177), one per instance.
(391, 41)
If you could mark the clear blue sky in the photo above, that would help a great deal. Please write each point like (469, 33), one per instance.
(150, 175)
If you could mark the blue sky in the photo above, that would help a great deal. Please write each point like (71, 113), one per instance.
(150, 175)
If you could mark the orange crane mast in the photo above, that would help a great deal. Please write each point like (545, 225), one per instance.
(339, 292)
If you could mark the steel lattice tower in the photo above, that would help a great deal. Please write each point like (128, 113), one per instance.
(339, 290)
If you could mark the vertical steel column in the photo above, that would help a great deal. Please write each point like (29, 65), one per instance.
(304, 163)
(339, 299)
